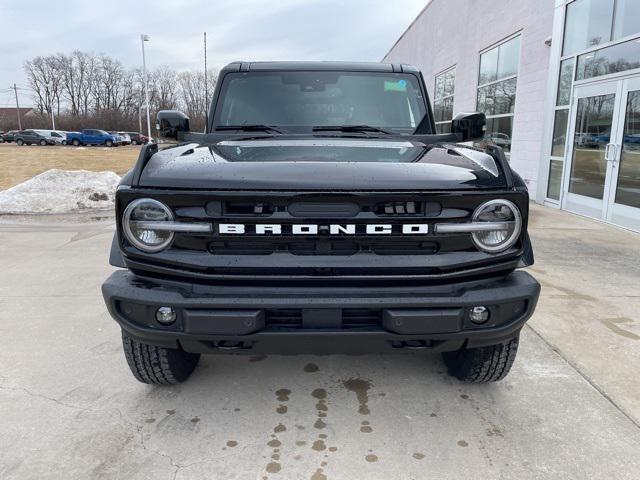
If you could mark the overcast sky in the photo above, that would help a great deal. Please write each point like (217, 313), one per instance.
(236, 30)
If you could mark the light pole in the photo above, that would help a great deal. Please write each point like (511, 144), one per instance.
(145, 38)
(53, 122)
(15, 89)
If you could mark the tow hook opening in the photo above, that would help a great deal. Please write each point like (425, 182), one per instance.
(412, 344)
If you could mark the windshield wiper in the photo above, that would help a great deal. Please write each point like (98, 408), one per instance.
(250, 128)
(351, 128)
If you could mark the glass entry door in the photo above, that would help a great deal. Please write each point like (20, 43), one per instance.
(624, 196)
(603, 175)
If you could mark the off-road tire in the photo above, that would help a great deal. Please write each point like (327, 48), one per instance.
(20, 142)
(76, 142)
(482, 364)
(158, 365)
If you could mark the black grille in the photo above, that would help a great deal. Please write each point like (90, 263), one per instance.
(351, 317)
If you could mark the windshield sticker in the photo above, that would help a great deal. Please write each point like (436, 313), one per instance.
(397, 86)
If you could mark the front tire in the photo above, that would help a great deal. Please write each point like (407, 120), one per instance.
(20, 142)
(43, 143)
(158, 365)
(76, 142)
(109, 143)
(482, 364)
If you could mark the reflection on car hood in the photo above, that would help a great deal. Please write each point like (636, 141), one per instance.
(326, 164)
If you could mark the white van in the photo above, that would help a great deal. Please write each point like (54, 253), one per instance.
(57, 136)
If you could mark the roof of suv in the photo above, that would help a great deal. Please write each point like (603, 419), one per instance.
(316, 66)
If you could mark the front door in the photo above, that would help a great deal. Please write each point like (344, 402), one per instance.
(603, 175)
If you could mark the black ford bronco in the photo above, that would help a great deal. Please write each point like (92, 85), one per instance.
(321, 213)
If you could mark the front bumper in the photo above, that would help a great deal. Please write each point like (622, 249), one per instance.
(317, 320)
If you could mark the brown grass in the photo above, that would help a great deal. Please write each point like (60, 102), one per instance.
(18, 164)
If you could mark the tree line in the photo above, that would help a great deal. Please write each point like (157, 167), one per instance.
(87, 90)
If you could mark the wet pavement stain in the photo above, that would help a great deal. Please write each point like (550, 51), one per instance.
(311, 368)
(257, 358)
(464, 397)
(273, 467)
(232, 443)
(365, 427)
(360, 387)
(301, 443)
(195, 420)
(280, 428)
(333, 449)
(300, 427)
(274, 443)
(282, 395)
(418, 456)
(322, 435)
(318, 475)
(433, 415)
(319, 446)
(149, 420)
(319, 424)
(494, 432)
(462, 443)
(236, 409)
(371, 458)
(275, 456)
(170, 412)
(613, 324)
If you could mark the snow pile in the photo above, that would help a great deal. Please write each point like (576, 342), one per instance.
(61, 191)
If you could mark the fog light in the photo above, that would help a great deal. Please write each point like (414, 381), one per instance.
(166, 315)
(479, 314)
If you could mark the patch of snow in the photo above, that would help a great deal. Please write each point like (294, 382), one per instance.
(61, 191)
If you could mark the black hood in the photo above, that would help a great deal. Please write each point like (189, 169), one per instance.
(326, 164)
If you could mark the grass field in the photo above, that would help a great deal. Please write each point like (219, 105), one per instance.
(18, 164)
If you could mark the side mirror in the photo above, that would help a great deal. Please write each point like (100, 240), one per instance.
(171, 124)
(469, 126)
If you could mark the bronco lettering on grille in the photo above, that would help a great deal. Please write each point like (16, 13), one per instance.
(316, 229)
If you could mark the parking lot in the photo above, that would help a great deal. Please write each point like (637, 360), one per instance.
(569, 409)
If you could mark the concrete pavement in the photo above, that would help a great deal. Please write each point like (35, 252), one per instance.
(568, 410)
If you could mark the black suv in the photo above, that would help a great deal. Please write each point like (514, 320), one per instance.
(321, 213)
(29, 137)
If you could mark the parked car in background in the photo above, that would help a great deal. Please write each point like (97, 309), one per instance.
(125, 139)
(32, 137)
(1, 134)
(138, 138)
(59, 138)
(90, 136)
(9, 136)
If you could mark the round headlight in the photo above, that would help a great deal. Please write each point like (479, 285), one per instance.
(135, 224)
(506, 218)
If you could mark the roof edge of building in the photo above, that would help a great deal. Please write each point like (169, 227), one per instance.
(424, 9)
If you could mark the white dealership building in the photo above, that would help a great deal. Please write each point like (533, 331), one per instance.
(559, 82)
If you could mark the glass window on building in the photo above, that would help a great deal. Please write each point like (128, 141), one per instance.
(497, 80)
(589, 23)
(443, 100)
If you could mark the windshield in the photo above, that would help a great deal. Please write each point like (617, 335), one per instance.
(319, 150)
(302, 100)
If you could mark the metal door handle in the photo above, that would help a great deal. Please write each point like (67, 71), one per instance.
(607, 152)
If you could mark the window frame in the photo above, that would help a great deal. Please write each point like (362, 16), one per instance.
(479, 85)
(452, 95)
